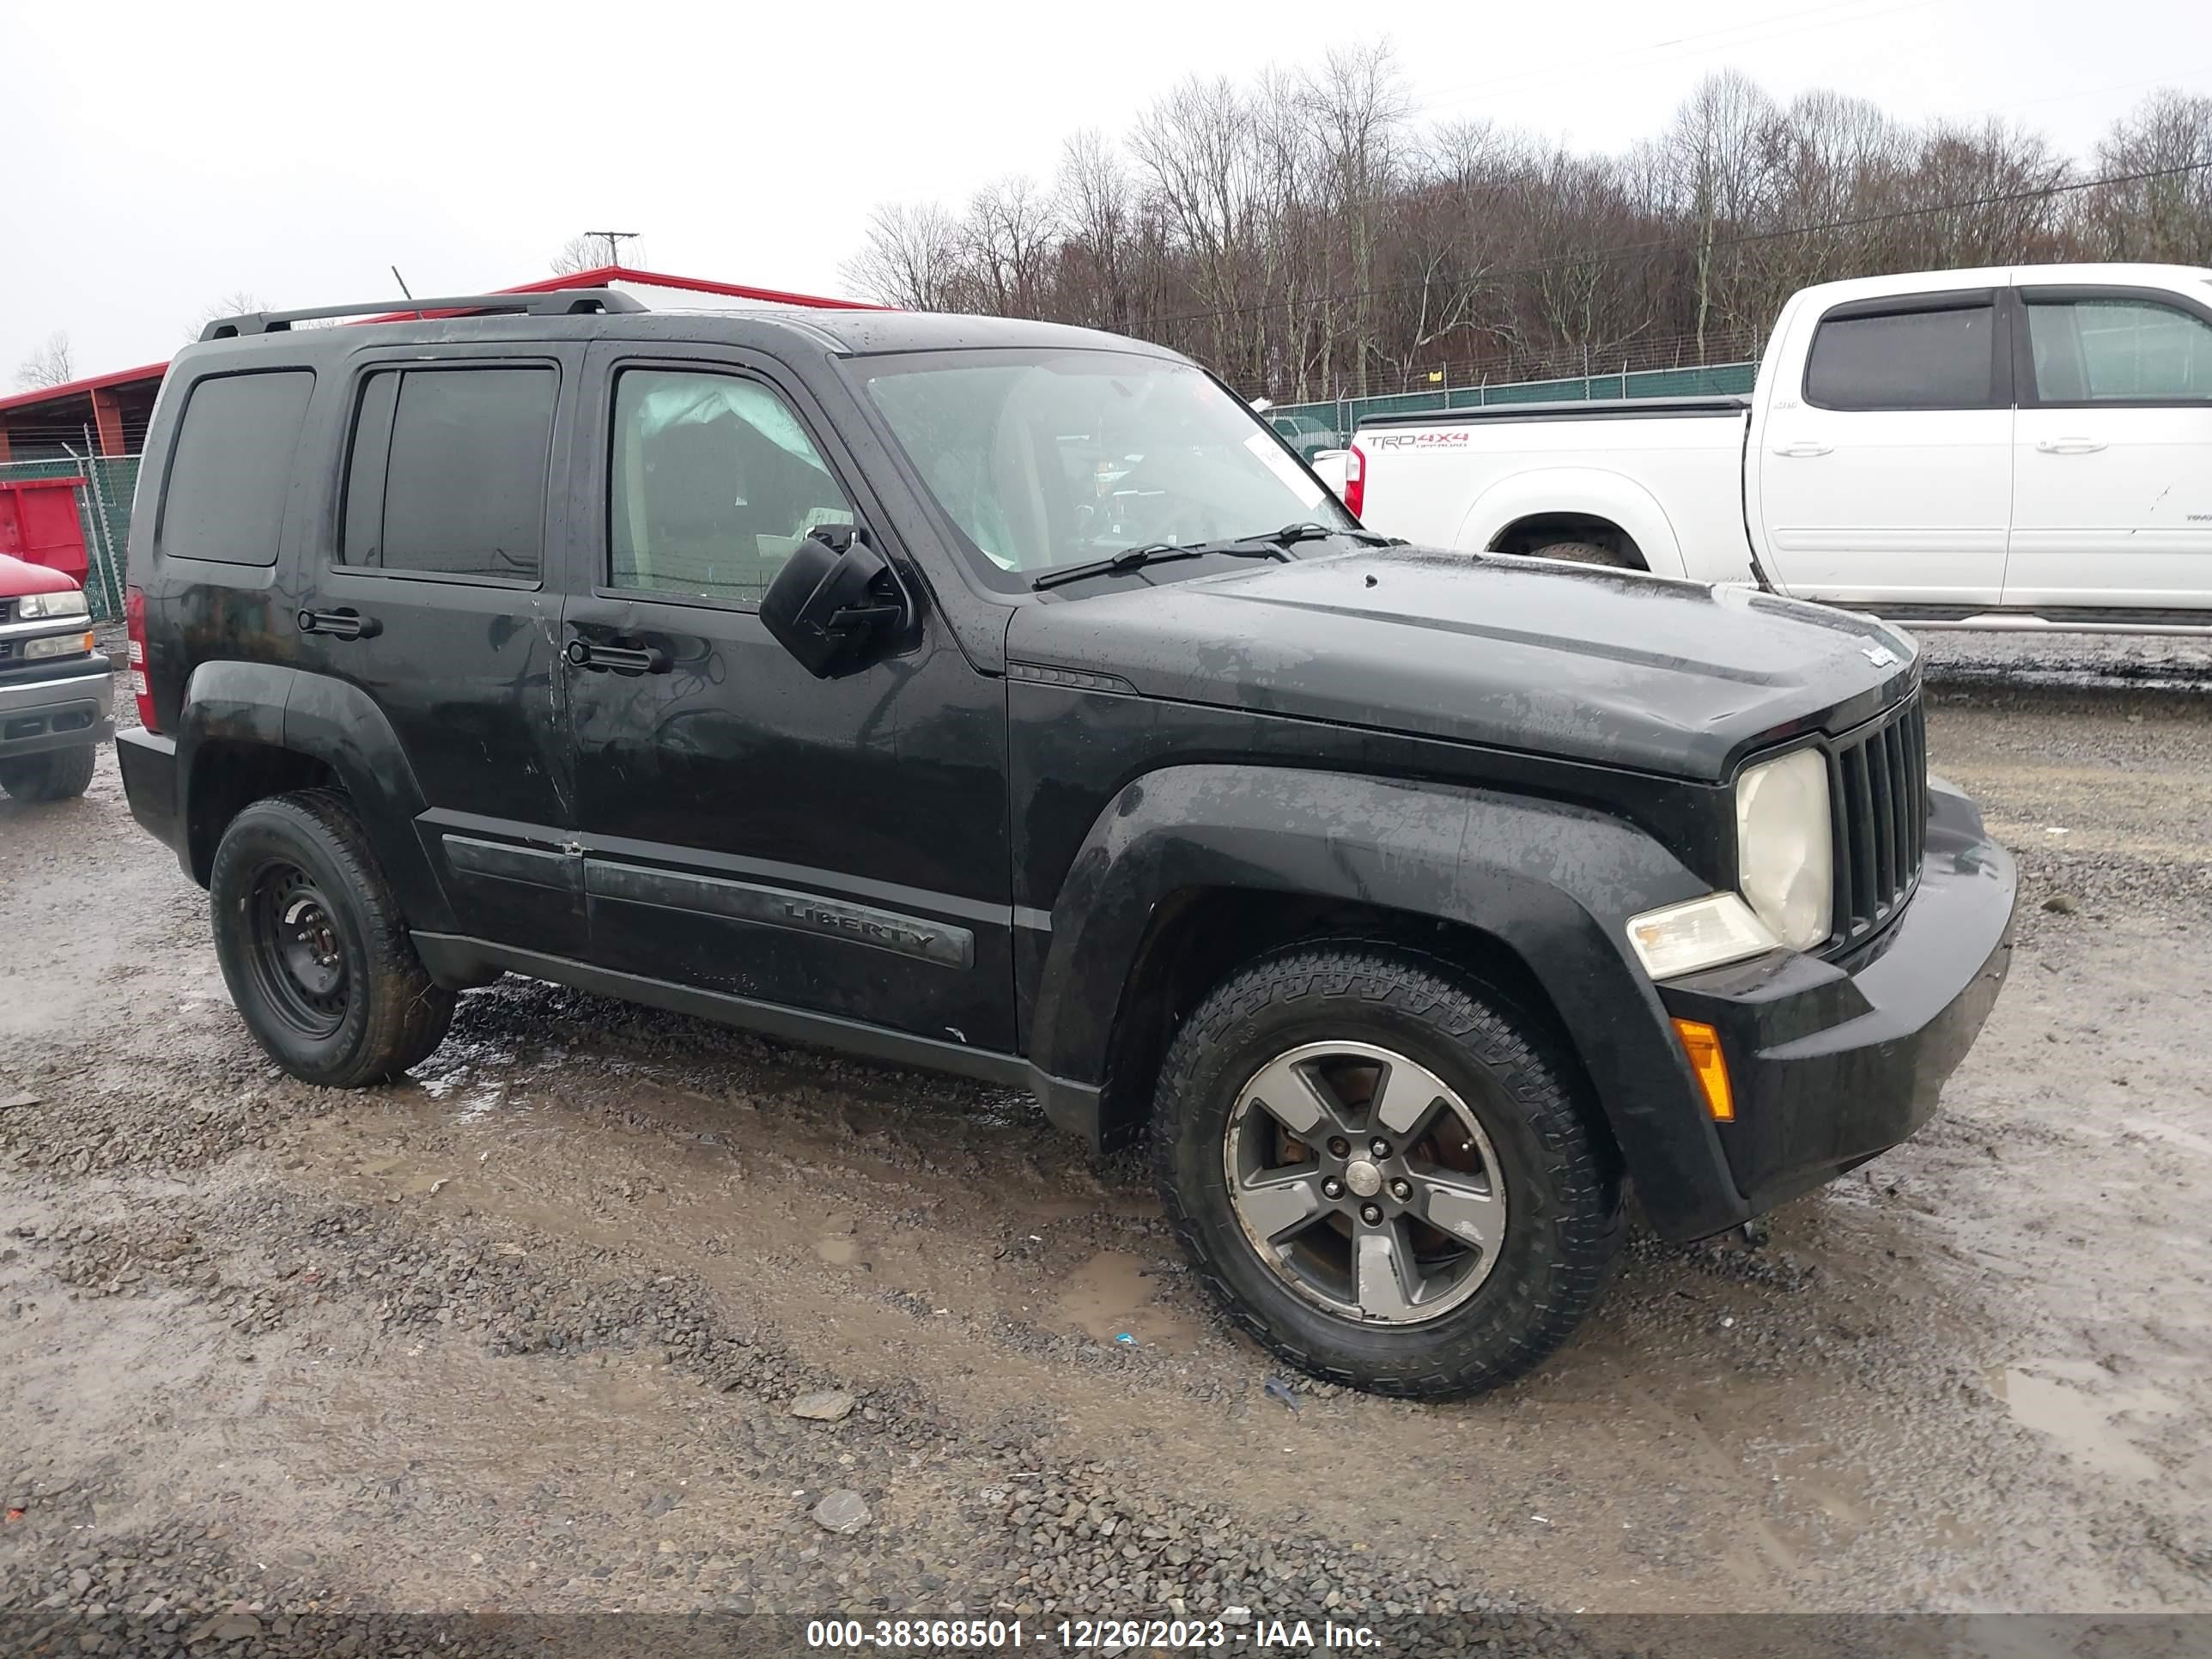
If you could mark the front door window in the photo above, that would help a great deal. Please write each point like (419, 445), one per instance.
(715, 484)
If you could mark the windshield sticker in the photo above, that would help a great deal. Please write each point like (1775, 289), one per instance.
(1270, 454)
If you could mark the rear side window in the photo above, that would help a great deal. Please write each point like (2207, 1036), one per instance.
(231, 467)
(1930, 359)
(447, 474)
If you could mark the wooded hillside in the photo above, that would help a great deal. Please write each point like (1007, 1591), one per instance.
(1308, 237)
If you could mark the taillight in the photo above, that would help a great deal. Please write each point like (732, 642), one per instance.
(134, 622)
(1355, 481)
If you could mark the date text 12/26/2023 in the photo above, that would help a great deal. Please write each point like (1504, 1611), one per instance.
(1236, 1629)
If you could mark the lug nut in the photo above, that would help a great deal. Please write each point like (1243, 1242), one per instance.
(1379, 1146)
(1332, 1188)
(1339, 1147)
(1401, 1190)
(1372, 1214)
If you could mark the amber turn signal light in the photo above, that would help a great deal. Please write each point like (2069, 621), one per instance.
(1703, 1045)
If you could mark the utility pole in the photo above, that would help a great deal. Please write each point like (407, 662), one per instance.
(611, 237)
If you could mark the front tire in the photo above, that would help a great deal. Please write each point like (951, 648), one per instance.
(1385, 1172)
(314, 946)
(56, 774)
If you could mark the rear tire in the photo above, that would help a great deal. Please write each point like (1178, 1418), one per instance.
(1511, 1160)
(314, 946)
(1586, 553)
(57, 774)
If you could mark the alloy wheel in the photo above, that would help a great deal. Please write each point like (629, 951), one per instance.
(1365, 1183)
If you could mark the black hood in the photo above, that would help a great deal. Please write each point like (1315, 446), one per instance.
(1582, 663)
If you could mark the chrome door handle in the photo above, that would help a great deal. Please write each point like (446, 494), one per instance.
(1802, 452)
(2069, 446)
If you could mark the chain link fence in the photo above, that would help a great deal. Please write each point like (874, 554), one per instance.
(103, 511)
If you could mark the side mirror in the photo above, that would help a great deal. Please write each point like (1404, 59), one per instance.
(834, 601)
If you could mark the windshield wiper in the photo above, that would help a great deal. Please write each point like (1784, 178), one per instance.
(1275, 545)
(1307, 531)
(1136, 558)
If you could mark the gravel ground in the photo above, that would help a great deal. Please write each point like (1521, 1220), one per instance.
(296, 1371)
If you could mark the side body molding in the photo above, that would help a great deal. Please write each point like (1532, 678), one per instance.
(325, 720)
(1553, 882)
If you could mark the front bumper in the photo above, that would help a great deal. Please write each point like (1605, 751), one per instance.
(67, 708)
(1834, 1062)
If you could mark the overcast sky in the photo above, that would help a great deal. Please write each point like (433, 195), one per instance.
(162, 156)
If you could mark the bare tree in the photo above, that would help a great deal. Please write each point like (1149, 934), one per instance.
(910, 259)
(236, 303)
(1718, 160)
(1096, 214)
(1360, 107)
(1446, 239)
(1010, 235)
(2163, 150)
(576, 254)
(594, 249)
(51, 364)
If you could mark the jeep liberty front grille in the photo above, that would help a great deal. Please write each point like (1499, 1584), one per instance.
(1878, 777)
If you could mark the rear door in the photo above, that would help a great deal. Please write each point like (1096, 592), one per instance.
(1885, 472)
(837, 846)
(429, 591)
(2112, 468)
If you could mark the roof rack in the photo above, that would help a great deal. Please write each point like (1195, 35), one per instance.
(560, 302)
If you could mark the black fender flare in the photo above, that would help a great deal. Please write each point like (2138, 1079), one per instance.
(326, 719)
(1552, 882)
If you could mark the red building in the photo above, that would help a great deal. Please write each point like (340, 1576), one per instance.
(107, 414)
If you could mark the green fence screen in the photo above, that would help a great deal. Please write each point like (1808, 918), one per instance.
(1311, 427)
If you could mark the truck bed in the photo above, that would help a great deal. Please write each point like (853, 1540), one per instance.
(1668, 472)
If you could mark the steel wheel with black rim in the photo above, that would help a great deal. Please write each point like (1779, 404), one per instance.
(1384, 1170)
(314, 946)
(294, 955)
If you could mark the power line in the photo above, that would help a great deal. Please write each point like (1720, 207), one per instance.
(1627, 250)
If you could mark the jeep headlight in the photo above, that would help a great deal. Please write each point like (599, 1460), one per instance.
(1785, 873)
(36, 606)
(1786, 846)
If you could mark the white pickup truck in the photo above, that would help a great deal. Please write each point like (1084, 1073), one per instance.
(2020, 448)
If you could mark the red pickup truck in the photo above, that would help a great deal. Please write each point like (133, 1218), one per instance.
(57, 694)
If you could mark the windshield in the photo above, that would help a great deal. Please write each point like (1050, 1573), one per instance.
(1049, 459)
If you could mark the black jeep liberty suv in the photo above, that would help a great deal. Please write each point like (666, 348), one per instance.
(1011, 700)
